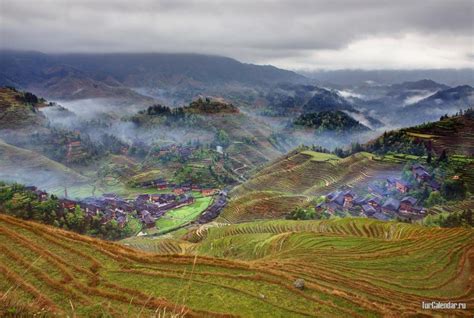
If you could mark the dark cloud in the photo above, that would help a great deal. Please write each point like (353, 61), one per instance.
(263, 31)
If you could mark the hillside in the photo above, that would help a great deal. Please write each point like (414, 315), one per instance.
(254, 273)
(29, 167)
(442, 102)
(96, 75)
(454, 134)
(210, 106)
(335, 121)
(19, 109)
(296, 178)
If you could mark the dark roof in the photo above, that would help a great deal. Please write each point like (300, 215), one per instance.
(380, 216)
(391, 180)
(417, 166)
(359, 201)
(410, 200)
(368, 209)
(391, 204)
(333, 206)
(434, 184)
(403, 182)
(375, 200)
(421, 172)
(336, 197)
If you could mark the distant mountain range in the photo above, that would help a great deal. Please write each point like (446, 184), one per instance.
(114, 75)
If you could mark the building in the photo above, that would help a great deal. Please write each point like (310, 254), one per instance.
(147, 219)
(380, 216)
(348, 199)
(178, 191)
(208, 192)
(368, 210)
(402, 186)
(375, 202)
(407, 204)
(391, 206)
(420, 173)
(67, 204)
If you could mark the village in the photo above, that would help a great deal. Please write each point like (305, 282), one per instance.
(390, 199)
(147, 208)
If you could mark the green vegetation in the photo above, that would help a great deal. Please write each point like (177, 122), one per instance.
(334, 121)
(20, 202)
(296, 179)
(178, 217)
(350, 267)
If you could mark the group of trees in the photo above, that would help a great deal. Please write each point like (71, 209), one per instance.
(17, 201)
(336, 121)
(454, 219)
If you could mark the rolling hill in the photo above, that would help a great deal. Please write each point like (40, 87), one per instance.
(349, 268)
(119, 75)
(32, 168)
(295, 179)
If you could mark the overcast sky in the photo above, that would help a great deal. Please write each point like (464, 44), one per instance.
(295, 34)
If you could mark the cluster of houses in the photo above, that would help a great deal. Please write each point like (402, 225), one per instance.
(182, 151)
(148, 207)
(178, 189)
(381, 203)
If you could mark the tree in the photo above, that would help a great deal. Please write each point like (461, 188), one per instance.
(443, 157)
(434, 198)
(222, 138)
(453, 189)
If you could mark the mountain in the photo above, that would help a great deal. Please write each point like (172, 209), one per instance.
(452, 77)
(424, 84)
(442, 102)
(99, 75)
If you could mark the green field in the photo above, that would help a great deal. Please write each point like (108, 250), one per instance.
(320, 156)
(181, 216)
(350, 268)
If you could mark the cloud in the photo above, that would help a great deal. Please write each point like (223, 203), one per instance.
(292, 33)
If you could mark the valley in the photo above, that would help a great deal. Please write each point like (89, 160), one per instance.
(187, 185)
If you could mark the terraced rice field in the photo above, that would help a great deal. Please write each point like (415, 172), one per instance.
(455, 134)
(351, 268)
(297, 178)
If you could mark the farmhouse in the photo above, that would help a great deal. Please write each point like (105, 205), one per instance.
(420, 173)
(391, 206)
(368, 210)
(147, 219)
(377, 191)
(208, 192)
(407, 204)
(67, 204)
(374, 202)
(178, 191)
(380, 216)
(434, 185)
(348, 199)
(402, 186)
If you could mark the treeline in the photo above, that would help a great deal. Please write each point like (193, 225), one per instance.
(336, 121)
(454, 219)
(18, 201)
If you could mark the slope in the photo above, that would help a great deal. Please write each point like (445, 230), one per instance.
(30, 167)
(296, 178)
(351, 268)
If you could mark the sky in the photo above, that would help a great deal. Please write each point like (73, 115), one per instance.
(292, 34)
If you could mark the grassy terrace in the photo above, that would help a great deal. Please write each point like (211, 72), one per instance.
(181, 216)
(297, 178)
(351, 268)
